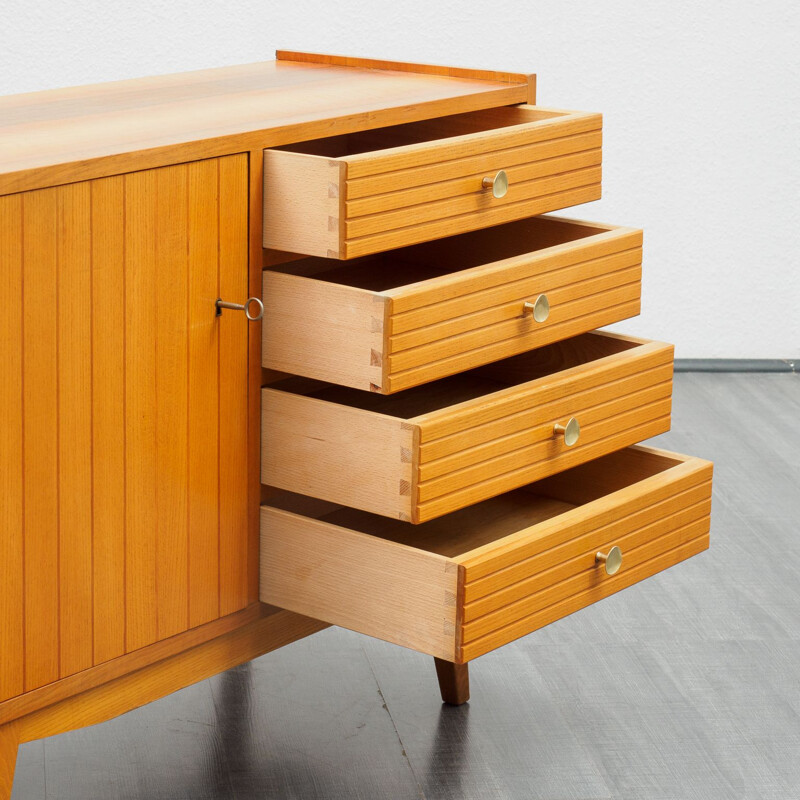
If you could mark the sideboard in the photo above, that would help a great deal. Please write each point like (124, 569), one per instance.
(290, 344)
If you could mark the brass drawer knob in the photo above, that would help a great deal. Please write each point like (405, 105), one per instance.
(612, 560)
(498, 184)
(539, 308)
(571, 431)
(251, 301)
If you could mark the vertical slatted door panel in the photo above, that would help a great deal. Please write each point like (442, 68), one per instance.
(108, 416)
(172, 374)
(233, 352)
(123, 455)
(40, 437)
(12, 661)
(203, 392)
(74, 331)
(141, 523)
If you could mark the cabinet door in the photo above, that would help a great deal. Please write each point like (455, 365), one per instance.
(123, 449)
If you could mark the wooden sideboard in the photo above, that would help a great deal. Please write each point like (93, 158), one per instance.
(424, 439)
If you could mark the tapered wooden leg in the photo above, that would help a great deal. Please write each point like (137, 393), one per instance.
(9, 742)
(453, 681)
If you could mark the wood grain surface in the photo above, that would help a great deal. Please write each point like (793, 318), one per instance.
(401, 594)
(66, 135)
(468, 437)
(392, 321)
(495, 571)
(403, 66)
(134, 420)
(423, 180)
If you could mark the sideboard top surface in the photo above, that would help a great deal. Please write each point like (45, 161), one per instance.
(64, 135)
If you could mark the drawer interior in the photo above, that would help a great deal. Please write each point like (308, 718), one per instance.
(431, 260)
(447, 392)
(428, 130)
(486, 523)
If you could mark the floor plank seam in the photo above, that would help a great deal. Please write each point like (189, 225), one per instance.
(394, 725)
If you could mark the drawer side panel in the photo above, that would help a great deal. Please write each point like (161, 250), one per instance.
(303, 198)
(337, 453)
(332, 332)
(396, 593)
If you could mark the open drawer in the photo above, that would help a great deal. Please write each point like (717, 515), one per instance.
(399, 319)
(433, 449)
(366, 192)
(481, 577)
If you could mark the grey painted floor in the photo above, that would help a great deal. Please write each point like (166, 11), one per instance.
(686, 686)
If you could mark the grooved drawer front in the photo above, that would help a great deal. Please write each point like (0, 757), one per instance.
(391, 321)
(367, 192)
(446, 445)
(473, 580)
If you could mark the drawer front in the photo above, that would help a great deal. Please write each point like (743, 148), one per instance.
(480, 450)
(511, 591)
(463, 303)
(440, 192)
(475, 317)
(374, 576)
(420, 467)
(391, 196)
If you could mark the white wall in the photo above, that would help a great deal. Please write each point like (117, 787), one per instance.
(701, 104)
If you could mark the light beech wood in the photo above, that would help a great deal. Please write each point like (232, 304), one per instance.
(323, 330)
(397, 593)
(474, 435)
(430, 179)
(346, 455)
(292, 182)
(521, 560)
(392, 321)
